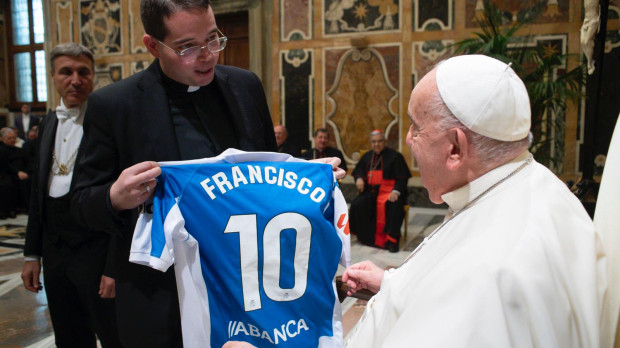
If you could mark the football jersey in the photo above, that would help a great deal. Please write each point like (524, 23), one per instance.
(255, 239)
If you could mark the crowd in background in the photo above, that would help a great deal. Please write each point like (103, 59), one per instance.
(17, 152)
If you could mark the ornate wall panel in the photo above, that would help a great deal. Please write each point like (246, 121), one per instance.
(296, 93)
(138, 66)
(100, 26)
(64, 21)
(296, 20)
(360, 16)
(542, 11)
(400, 40)
(425, 55)
(431, 15)
(107, 74)
(362, 94)
(136, 30)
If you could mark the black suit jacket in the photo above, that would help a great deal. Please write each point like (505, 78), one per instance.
(37, 233)
(130, 122)
(19, 123)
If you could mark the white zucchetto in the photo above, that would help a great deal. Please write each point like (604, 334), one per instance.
(486, 95)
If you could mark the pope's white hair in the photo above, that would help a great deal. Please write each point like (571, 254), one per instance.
(491, 152)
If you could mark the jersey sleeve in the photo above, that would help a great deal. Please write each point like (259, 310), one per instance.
(341, 223)
(152, 244)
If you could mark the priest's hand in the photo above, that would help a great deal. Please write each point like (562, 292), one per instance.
(134, 186)
(359, 183)
(22, 175)
(363, 275)
(237, 344)
(107, 287)
(335, 162)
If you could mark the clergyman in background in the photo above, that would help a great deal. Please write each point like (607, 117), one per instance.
(377, 213)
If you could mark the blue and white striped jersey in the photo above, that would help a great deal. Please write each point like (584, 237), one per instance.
(255, 239)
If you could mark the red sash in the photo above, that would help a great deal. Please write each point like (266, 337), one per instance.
(375, 177)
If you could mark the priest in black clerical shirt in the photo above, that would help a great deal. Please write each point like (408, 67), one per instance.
(321, 150)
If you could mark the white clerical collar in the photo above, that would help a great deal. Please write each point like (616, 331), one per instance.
(191, 89)
(460, 197)
(75, 114)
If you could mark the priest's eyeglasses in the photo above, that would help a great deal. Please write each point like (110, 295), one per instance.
(212, 46)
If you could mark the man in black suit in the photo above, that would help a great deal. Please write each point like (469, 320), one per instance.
(77, 268)
(183, 106)
(284, 145)
(322, 150)
(25, 121)
(13, 173)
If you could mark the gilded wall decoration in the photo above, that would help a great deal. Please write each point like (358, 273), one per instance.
(296, 95)
(355, 16)
(362, 95)
(296, 20)
(136, 30)
(425, 55)
(107, 74)
(533, 11)
(138, 66)
(64, 22)
(100, 26)
(429, 15)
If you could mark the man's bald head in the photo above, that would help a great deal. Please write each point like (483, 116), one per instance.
(281, 134)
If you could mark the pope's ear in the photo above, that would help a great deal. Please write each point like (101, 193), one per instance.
(459, 146)
(151, 45)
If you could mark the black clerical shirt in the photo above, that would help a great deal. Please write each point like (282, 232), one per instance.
(201, 120)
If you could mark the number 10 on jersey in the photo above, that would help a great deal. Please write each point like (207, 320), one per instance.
(246, 227)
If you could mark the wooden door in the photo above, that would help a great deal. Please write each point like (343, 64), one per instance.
(235, 27)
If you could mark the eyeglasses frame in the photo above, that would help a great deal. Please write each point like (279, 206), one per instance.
(183, 53)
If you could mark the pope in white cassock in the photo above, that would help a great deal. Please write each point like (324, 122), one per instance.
(516, 262)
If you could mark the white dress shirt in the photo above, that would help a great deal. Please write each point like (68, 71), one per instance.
(26, 124)
(68, 137)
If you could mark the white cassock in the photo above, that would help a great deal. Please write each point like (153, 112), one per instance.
(607, 221)
(522, 267)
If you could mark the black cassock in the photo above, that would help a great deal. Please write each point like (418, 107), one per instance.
(373, 218)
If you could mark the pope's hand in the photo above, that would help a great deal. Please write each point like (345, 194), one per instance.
(363, 275)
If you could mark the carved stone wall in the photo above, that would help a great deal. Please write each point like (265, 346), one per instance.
(365, 56)
(347, 65)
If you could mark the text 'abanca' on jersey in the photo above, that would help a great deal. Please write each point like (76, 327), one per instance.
(291, 329)
(269, 175)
